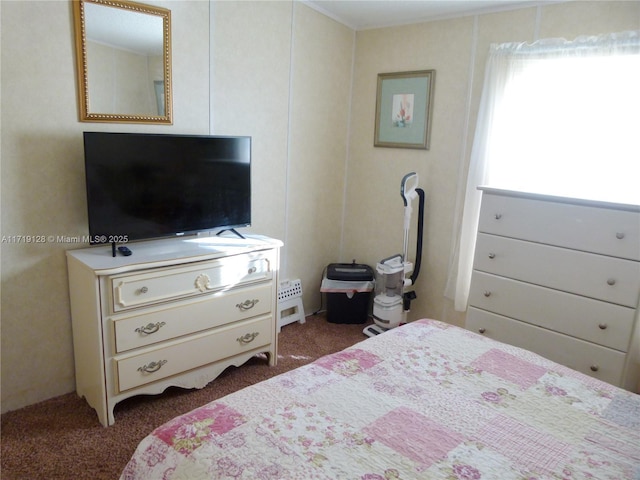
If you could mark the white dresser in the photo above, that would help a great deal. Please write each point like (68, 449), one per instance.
(177, 312)
(560, 277)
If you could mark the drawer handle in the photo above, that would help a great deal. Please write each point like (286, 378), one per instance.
(611, 282)
(487, 293)
(152, 367)
(492, 256)
(247, 338)
(203, 282)
(602, 326)
(619, 235)
(252, 270)
(143, 290)
(594, 368)
(498, 216)
(482, 330)
(247, 304)
(150, 328)
(118, 294)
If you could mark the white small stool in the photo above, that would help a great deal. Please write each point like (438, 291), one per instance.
(290, 298)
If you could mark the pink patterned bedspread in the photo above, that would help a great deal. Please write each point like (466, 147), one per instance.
(423, 401)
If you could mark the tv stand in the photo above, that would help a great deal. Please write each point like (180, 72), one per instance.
(177, 313)
(232, 230)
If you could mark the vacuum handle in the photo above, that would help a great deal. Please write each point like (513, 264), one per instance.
(392, 257)
(408, 192)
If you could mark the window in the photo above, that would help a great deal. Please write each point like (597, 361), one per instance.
(570, 127)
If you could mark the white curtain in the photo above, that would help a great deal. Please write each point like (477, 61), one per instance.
(556, 117)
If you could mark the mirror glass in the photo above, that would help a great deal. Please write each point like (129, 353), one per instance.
(124, 61)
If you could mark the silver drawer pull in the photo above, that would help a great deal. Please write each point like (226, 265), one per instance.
(152, 367)
(143, 290)
(497, 216)
(252, 270)
(487, 293)
(248, 338)
(611, 282)
(602, 326)
(247, 304)
(492, 256)
(594, 368)
(150, 328)
(482, 330)
(619, 235)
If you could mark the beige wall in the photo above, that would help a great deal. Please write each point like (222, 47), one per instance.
(321, 76)
(374, 220)
(457, 50)
(250, 96)
(43, 190)
(303, 86)
(288, 88)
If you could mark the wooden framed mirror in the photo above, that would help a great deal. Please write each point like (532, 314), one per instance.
(123, 52)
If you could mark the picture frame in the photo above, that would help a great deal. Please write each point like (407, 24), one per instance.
(404, 105)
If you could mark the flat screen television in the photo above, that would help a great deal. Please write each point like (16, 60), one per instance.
(144, 186)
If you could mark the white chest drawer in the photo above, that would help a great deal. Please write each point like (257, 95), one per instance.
(165, 284)
(560, 277)
(157, 325)
(581, 317)
(180, 356)
(597, 276)
(591, 229)
(594, 360)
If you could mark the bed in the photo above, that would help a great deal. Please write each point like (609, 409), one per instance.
(426, 400)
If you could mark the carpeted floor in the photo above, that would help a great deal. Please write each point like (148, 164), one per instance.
(61, 438)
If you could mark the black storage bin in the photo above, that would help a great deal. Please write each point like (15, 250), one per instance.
(348, 288)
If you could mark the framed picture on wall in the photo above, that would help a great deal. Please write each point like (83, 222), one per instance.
(403, 109)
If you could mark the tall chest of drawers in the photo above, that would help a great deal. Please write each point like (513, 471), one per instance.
(175, 313)
(560, 277)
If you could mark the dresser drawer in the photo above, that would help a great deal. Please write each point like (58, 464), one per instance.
(599, 322)
(192, 352)
(134, 331)
(592, 229)
(597, 276)
(164, 284)
(594, 360)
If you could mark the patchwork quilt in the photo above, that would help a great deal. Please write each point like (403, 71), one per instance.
(423, 401)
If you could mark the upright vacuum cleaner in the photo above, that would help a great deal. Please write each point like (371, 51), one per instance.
(395, 274)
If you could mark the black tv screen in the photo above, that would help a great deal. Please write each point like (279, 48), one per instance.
(142, 186)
